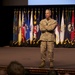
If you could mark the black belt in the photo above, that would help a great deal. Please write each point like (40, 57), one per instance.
(48, 31)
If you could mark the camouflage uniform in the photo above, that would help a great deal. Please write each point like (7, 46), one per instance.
(47, 38)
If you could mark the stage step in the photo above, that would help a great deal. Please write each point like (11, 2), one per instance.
(44, 71)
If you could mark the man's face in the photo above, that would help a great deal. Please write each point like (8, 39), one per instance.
(47, 14)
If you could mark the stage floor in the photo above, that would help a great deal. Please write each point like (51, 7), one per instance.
(30, 57)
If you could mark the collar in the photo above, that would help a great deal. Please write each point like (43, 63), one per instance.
(48, 20)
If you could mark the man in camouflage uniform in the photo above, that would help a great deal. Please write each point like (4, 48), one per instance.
(47, 38)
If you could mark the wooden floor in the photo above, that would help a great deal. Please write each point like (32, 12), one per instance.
(30, 57)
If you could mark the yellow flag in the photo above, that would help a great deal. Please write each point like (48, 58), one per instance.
(19, 34)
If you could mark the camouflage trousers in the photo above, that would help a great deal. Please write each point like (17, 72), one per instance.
(47, 46)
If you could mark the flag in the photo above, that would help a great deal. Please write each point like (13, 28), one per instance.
(35, 31)
(41, 19)
(62, 28)
(15, 27)
(27, 24)
(22, 18)
(73, 20)
(69, 20)
(35, 26)
(23, 28)
(38, 28)
(19, 34)
(72, 30)
(68, 25)
(59, 25)
(31, 28)
(56, 30)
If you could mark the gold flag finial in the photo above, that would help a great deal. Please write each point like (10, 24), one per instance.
(35, 10)
(28, 11)
(24, 11)
(38, 11)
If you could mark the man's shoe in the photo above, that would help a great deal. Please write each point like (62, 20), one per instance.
(42, 64)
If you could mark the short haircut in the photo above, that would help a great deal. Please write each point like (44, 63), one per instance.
(15, 68)
(48, 10)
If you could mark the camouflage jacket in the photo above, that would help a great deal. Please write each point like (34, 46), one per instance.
(47, 30)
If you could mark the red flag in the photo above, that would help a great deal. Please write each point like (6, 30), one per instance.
(72, 29)
(35, 31)
(23, 33)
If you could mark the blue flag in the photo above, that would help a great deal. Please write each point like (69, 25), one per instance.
(27, 23)
(68, 25)
(15, 25)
